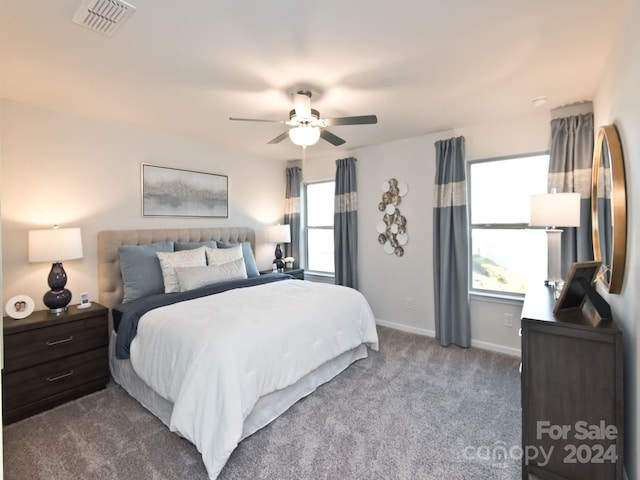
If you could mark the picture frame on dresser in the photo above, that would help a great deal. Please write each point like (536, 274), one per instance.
(171, 192)
(579, 286)
(19, 307)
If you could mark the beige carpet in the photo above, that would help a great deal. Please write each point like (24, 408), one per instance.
(414, 410)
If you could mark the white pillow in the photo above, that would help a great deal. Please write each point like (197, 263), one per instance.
(196, 277)
(219, 256)
(184, 258)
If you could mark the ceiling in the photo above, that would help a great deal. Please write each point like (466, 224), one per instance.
(184, 67)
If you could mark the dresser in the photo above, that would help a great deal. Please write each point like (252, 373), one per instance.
(572, 393)
(51, 359)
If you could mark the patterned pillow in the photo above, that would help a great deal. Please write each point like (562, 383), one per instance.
(184, 258)
(190, 278)
(249, 259)
(218, 256)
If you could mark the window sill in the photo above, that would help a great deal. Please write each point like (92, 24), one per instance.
(320, 274)
(321, 277)
(492, 297)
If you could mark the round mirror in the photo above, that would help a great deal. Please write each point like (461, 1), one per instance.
(609, 208)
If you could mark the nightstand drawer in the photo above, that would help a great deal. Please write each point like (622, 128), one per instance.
(40, 345)
(48, 379)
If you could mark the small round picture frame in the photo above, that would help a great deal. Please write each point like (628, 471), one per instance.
(20, 306)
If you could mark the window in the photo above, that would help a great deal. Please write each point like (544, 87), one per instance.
(505, 252)
(320, 200)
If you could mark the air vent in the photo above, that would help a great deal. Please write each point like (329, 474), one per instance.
(103, 16)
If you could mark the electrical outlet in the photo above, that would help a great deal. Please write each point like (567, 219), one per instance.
(508, 320)
(407, 303)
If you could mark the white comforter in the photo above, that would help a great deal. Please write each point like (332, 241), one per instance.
(213, 357)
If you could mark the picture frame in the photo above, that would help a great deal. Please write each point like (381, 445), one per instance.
(84, 301)
(579, 286)
(19, 307)
(174, 192)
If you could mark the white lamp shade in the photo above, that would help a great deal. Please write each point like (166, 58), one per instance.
(304, 136)
(55, 244)
(555, 210)
(279, 234)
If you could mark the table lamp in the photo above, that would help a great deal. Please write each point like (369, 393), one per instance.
(54, 245)
(279, 234)
(554, 210)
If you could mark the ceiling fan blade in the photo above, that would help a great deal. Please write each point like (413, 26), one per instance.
(331, 138)
(255, 120)
(360, 120)
(279, 138)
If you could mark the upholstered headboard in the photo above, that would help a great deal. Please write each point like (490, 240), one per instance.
(110, 284)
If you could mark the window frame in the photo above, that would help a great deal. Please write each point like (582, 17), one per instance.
(319, 273)
(480, 292)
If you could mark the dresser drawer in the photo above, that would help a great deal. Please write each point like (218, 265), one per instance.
(32, 347)
(48, 379)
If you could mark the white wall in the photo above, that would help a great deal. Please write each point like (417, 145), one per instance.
(617, 101)
(387, 280)
(74, 171)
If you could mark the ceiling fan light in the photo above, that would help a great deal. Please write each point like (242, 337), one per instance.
(304, 136)
(302, 105)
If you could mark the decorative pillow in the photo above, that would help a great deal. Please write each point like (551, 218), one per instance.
(140, 268)
(190, 278)
(179, 246)
(185, 258)
(249, 259)
(218, 256)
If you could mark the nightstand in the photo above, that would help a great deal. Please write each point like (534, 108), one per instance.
(294, 272)
(51, 359)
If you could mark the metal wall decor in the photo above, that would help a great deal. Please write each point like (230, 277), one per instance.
(392, 229)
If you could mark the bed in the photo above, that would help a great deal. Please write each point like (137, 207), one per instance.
(221, 351)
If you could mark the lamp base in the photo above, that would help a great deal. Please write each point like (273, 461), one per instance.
(57, 300)
(58, 297)
(57, 311)
(279, 262)
(554, 256)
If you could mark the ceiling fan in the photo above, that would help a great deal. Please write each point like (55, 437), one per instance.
(307, 126)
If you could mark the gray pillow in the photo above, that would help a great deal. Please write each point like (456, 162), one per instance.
(191, 245)
(140, 267)
(249, 259)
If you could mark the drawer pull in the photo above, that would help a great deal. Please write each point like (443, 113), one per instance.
(60, 377)
(58, 342)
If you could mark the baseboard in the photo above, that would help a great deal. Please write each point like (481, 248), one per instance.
(431, 333)
(406, 328)
(515, 352)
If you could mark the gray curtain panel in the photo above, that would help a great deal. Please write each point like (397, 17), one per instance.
(345, 224)
(292, 212)
(451, 245)
(570, 165)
